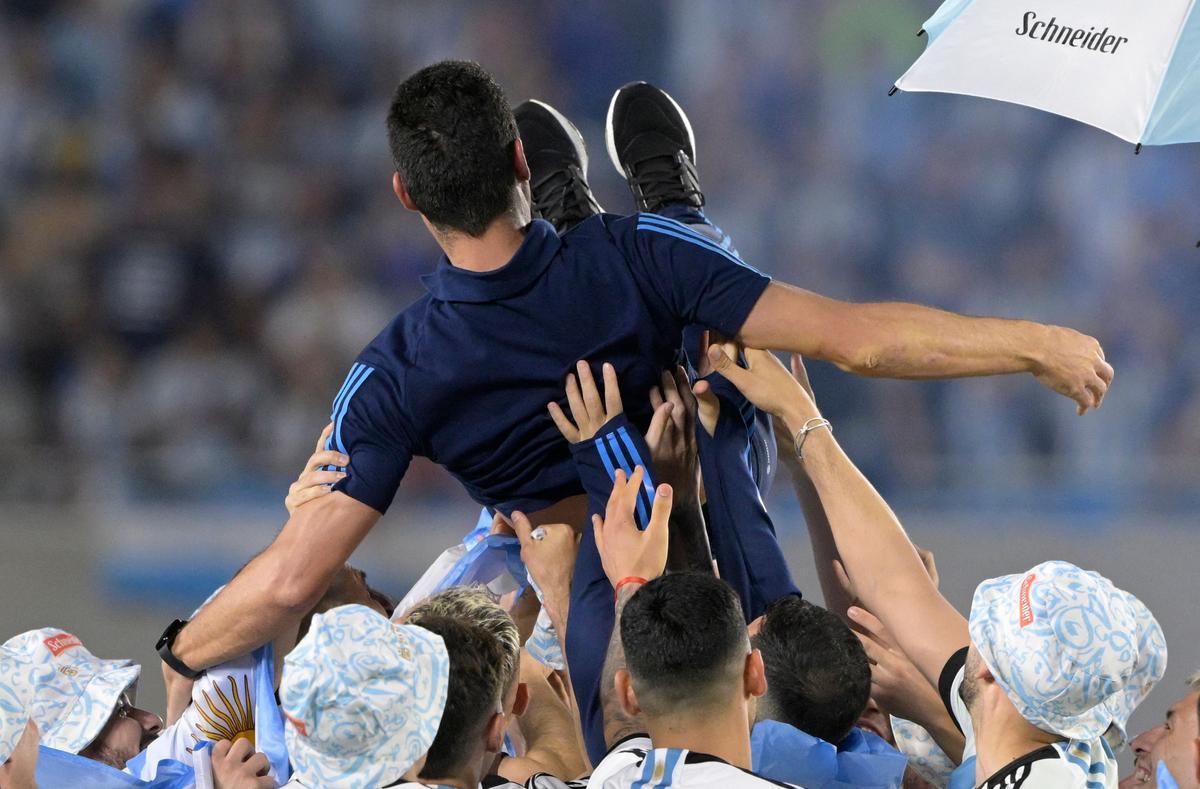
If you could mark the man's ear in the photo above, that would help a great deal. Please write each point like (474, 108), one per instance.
(754, 675)
(402, 192)
(494, 734)
(520, 166)
(624, 688)
(984, 674)
(522, 701)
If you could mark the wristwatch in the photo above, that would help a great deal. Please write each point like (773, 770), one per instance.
(163, 647)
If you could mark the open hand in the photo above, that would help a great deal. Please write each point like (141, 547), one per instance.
(588, 410)
(313, 482)
(624, 549)
(766, 383)
(672, 432)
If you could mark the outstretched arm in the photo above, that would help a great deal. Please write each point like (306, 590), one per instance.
(280, 584)
(825, 555)
(883, 566)
(896, 340)
(627, 553)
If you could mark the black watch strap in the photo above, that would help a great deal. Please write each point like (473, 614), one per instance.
(163, 647)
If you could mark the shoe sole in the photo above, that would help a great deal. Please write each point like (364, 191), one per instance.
(610, 143)
(572, 132)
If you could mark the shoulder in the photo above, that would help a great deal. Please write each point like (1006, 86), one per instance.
(706, 771)
(394, 346)
(1044, 768)
(600, 234)
(623, 754)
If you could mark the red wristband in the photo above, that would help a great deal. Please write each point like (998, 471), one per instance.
(629, 579)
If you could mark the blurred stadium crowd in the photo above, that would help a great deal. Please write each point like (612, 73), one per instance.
(197, 234)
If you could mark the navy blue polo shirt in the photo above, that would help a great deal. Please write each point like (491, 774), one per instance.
(463, 375)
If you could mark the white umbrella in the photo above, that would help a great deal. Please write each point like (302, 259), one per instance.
(1130, 67)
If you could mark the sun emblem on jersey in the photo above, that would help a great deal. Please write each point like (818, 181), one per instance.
(230, 718)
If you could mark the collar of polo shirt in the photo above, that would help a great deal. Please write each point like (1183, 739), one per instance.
(449, 283)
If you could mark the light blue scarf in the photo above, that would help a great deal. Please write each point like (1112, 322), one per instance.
(861, 760)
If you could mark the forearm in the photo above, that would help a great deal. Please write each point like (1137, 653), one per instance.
(552, 744)
(820, 536)
(558, 608)
(944, 732)
(874, 548)
(883, 565)
(223, 630)
(617, 723)
(891, 340)
(179, 694)
(557, 605)
(689, 550)
(279, 585)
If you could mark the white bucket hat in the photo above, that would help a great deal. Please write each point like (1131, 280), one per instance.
(19, 676)
(1071, 651)
(74, 692)
(363, 698)
(1148, 669)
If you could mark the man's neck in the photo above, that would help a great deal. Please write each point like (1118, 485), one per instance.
(488, 252)
(722, 732)
(458, 782)
(999, 742)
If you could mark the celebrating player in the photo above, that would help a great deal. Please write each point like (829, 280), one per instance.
(464, 374)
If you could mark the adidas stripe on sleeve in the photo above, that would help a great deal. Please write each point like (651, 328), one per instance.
(699, 279)
(367, 428)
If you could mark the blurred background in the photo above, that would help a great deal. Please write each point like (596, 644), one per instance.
(197, 236)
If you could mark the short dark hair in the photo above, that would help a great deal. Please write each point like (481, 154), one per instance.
(452, 133)
(685, 641)
(478, 670)
(818, 676)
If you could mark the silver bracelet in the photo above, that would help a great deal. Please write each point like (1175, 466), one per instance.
(816, 423)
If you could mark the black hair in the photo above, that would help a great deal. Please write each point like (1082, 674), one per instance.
(452, 134)
(685, 641)
(478, 671)
(818, 676)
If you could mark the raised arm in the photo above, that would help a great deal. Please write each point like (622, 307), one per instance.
(883, 566)
(896, 340)
(631, 557)
(280, 584)
(825, 555)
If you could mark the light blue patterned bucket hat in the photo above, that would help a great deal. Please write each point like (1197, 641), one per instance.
(1149, 668)
(20, 674)
(1069, 649)
(74, 692)
(363, 698)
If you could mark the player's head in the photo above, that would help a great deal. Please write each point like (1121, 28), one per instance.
(348, 587)
(686, 650)
(1028, 667)
(818, 676)
(454, 142)
(80, 703)
(473, 722)
(475, 605)
(1175, 743)
(363, 698)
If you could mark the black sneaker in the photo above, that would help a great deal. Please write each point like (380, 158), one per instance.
(651, 143)
(558, 165)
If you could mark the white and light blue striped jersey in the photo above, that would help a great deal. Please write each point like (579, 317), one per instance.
(636, 764)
